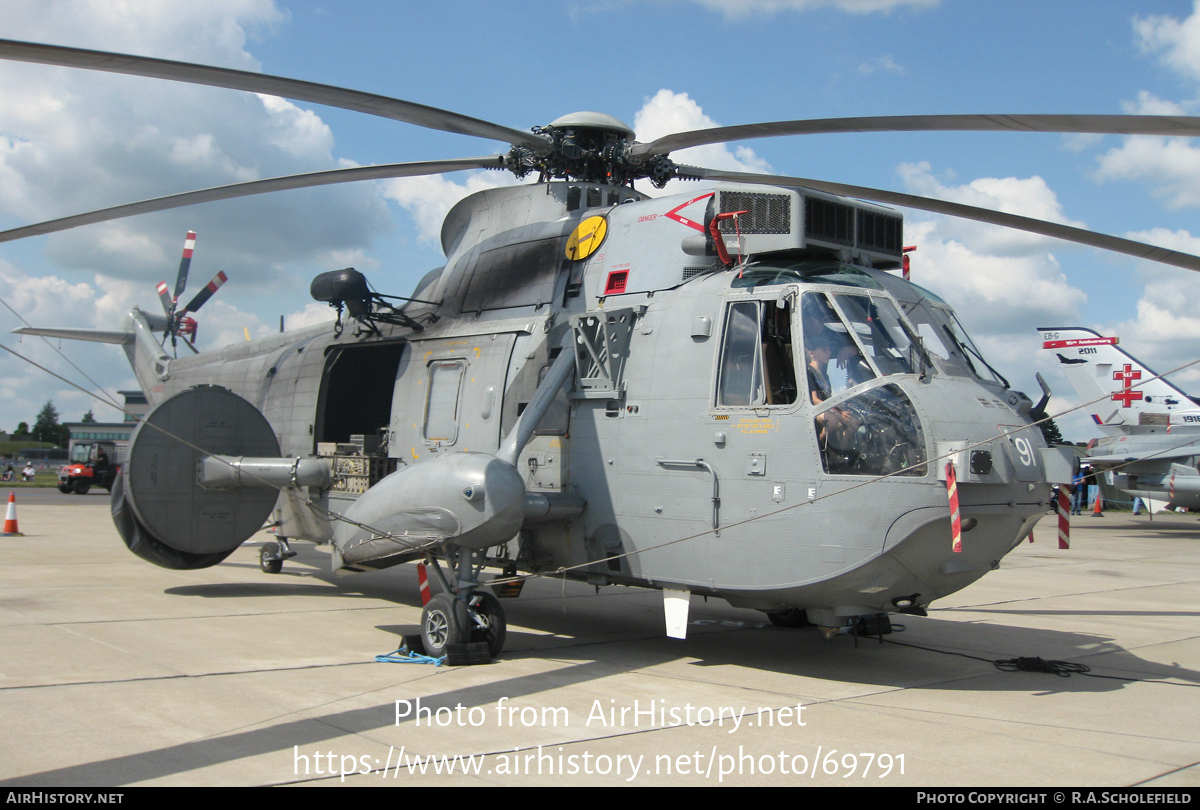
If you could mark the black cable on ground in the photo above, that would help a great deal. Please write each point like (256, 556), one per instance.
(1063, 669)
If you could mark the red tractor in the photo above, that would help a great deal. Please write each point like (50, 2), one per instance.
(91, 464)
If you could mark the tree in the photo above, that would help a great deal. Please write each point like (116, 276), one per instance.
(22, 429)
(1051, 433)
(47, 428)
(88, 417)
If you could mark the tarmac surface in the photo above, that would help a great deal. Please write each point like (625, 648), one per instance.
(117, 673)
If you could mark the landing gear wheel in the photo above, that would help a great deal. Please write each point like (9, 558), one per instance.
(269, 560)
(792, 617)
(488, 608)
(82, 486)
(444, 622)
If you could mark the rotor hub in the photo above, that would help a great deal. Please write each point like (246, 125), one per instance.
(590, 147)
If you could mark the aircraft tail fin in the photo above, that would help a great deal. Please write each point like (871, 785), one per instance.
(135, 335)
(1127, 396)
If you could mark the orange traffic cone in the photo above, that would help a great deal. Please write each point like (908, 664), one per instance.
(1098, 509)
(10, 519)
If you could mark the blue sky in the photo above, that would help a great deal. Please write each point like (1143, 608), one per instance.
(70, 142)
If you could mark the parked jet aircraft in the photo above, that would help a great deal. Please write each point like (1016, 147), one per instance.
(1153, 442)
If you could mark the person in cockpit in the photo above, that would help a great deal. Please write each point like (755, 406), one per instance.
(835, 426)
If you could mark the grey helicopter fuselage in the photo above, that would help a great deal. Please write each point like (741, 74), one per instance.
(692, 413)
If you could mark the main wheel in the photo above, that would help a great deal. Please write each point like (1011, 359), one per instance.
(495, 628)
(792, 617)
(82, 486)
(444, 622)
(268, 558)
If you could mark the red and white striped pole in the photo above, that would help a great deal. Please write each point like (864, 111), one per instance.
(423, 582)
(1064, 516)
(904, 261)
(955, 519)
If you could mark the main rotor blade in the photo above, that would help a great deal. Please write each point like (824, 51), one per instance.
(370, 103)
(251, 187)
(1103, 241)
(1175, 125)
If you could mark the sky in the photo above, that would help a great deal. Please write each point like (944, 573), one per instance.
(71, 141)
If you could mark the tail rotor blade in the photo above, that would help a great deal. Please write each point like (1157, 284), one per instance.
(189, 244)
(205, 294)
(164, 295)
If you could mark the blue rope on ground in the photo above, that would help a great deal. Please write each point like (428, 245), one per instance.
(403, 655)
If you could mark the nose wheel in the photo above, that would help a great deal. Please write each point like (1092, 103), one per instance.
(448, 622)
(464, 622)
(445, 622)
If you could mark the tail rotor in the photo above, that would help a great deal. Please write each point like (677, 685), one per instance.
(179, 322)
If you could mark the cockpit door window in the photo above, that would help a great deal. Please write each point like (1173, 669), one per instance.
(758, 367)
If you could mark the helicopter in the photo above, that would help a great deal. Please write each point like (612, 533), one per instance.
(689, 393)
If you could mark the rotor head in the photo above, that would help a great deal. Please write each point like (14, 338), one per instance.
(590, 147)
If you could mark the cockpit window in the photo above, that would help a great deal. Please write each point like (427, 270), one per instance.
(834, 359)
(955, 331)
(862, 335)
(757, 363)
(952, 350)
(775, 272)
(876, 432)
(880, 330)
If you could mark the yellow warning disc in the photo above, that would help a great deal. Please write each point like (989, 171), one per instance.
(586, 237)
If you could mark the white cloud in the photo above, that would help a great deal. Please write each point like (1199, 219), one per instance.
(201, 152)
(311, 315)
(1172, 164)
(298, 132)
(1167, 327)
(1029, 197)
(1177, 41)
(41, 299)
(72, 140)
(51, 300)
(1000, 296)
(1149, 104)
(668, 112)
(430, 198)
(1003, 283)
